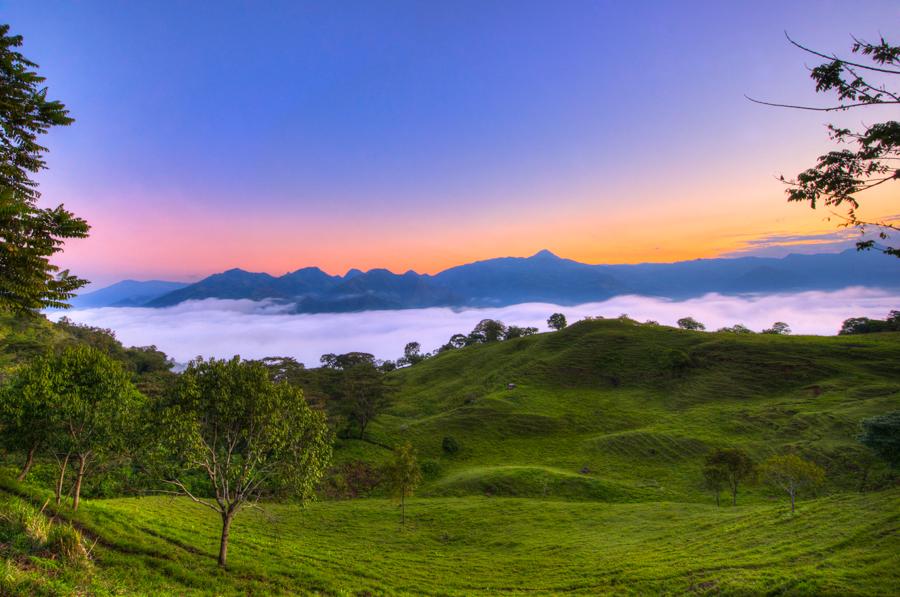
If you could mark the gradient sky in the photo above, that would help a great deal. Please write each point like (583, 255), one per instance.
(419, 135)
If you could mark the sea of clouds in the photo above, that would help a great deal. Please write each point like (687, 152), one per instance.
(255, 329)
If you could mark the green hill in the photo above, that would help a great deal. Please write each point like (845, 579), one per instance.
(584, 477)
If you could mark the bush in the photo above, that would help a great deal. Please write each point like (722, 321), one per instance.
(431, 469)
(450, 445)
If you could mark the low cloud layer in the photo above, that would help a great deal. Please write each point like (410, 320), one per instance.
(255, 329)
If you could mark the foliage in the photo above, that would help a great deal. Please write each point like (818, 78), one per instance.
(557, 321)
(778, 328)
(737, 328)
(734, 464)
(689, 323)
(404, 476)
(791, 474)
(487, 330)
(251, 437)
(412, 354)
(715, 478)
(29, 235)
(864, 325)
(840, 176)
(94, 407)
(449, 445)
(363, 395)
(26, 405)
(882, 435)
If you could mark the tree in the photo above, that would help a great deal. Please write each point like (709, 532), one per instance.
(557, 321)
(488, 330)
(457, 341)
(736, 466)
(864, 325)
(412, 353)
(363, 395)
(737, 328)
(515, 331)
(689, 323)
(779, 327)
(882, 435)
(29, 236)
(840, 176)
(26, 404)
(715, 478)
(248, 436)
(791, 474)
(94, 409)
(405, 476)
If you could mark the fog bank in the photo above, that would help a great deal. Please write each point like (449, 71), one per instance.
(255, 329)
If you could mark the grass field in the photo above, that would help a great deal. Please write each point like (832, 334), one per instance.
(584, 478)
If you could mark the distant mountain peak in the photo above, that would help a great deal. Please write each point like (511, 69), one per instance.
(352, 273)
(545, 254)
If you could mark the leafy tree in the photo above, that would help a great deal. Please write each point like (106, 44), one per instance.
(405, 476)
(487, 330)
(412, 353)
(735, 464)
(249, 436)
(864, 325)
(882, 435)
(557, 321)
(715, 478)
(26, 404)
(450, 445)
(737, 328)
(457, 340)
(343, 362)
(363, 395)
(94, 410)
(779, 328)
(515, 331)
(791, 474)
(29, 236)
(285, 369)
(869, 158)
(689, 323)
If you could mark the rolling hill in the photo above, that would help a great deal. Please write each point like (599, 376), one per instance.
(584, 478)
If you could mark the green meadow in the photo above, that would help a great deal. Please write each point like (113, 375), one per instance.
(578, 471)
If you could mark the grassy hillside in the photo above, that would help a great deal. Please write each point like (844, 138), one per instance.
(622, 412)
(604, 435)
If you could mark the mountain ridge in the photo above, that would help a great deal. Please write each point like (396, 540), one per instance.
(541, 277)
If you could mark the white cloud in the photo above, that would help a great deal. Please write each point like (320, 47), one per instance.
(255, 329)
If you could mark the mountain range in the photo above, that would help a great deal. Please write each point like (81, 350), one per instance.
(543, 277)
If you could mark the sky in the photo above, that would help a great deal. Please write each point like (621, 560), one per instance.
(421, 135)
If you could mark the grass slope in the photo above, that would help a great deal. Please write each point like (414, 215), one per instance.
(584, 478)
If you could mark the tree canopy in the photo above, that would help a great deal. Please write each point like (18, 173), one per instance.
(29, 235)
(869, 155)
(248, 436)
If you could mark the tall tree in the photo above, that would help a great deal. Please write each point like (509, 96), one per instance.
(557, 321)
(405, 476)
(26, 405)
(736, 466)
(248, 436)
(869, 156)
(882, 435)
(29, 236)
(363, 395)
(791, 474)
(715, 478)
(94, 410)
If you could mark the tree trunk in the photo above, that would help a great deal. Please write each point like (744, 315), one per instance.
(362, 429)
(717, 499)
(223, 544)
(734, 496)
(792, 501)
(62, 478)
(82, 461)
(402, 510)
(29, 460)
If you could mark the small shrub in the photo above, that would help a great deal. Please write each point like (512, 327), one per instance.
(431, 469)
(68, 543)
(450, 445)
